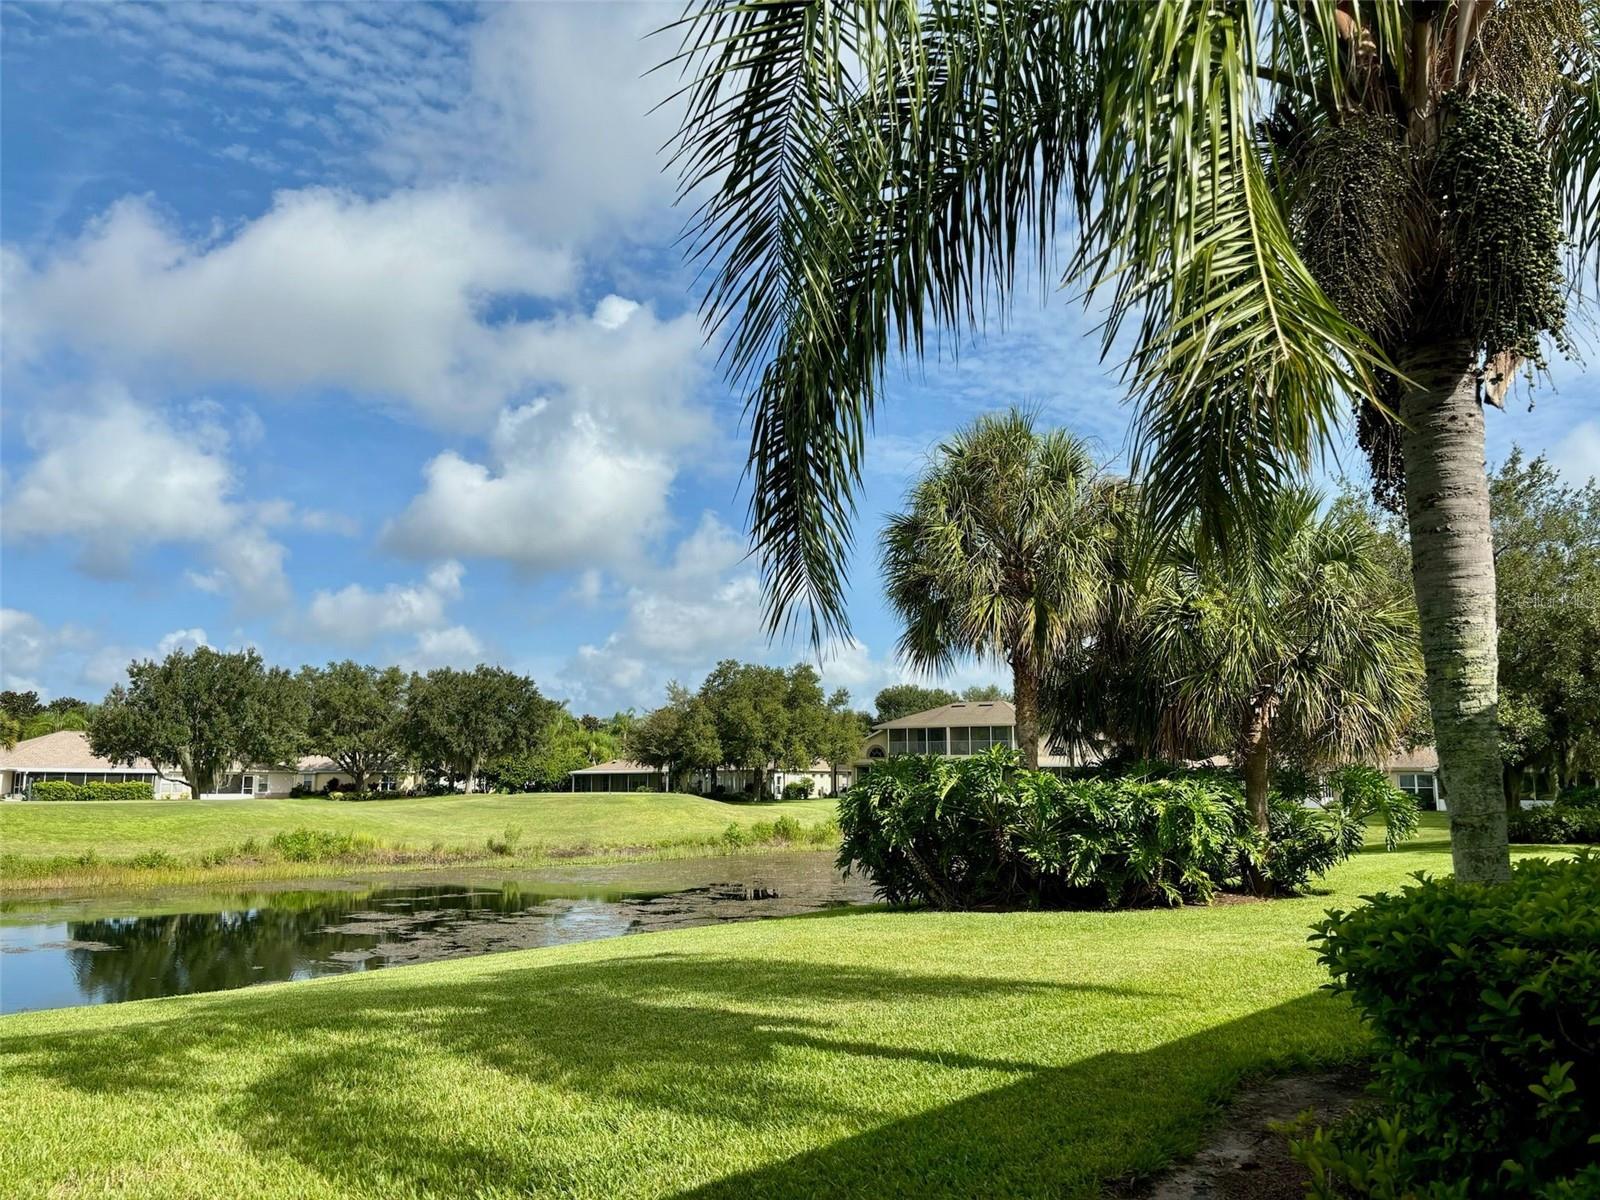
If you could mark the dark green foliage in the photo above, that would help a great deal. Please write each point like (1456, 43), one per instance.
(903, 699)
(799, 789)
(319, 845)
(959, 832)
(1558, 824)
(1587, 796)
(1484, 1001)
(1497, 205)
(60, 789)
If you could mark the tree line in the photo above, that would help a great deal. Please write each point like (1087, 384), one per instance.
(198, 714)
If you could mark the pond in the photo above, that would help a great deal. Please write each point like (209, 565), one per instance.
(99, 949)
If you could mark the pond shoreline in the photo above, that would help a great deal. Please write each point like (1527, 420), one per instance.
(398, 861)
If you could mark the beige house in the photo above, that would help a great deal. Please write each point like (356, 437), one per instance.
(963, 728)
(66, 755)
(968, 727)
(622, 775)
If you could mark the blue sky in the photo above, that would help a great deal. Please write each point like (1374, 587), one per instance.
(359, 330)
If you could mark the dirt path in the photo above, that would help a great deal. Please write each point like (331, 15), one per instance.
(1246, 1160)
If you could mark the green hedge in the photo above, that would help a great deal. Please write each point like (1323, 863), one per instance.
(1556, 824)
(1484, 1001)
(60, 789)
(960, 832)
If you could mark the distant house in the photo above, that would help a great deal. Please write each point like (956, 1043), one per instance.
(618, 775)
(1415, 772)
(621, 775)
(65, 755)
(962, 728)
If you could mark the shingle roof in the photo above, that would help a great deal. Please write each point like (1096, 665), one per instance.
(617, 766)
(1418, 758)
(64, 750)
(962, 712)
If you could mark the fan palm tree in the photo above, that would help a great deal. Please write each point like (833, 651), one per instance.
(1002, 553)
(1313, 651)
(1292, 208)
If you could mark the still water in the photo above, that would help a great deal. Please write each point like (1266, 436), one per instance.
(98, 949)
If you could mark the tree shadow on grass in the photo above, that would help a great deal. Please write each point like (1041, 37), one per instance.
(621, 1075)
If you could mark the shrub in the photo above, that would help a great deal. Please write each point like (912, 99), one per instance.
(319, 845)
(1556, 824)
(1484, 1001)
(960, 832)
(150, 860)
(799, 789)
(1586, 796)
(787, 829)
(55, 790)
(507, 843)
(125, 789)
(734, 835)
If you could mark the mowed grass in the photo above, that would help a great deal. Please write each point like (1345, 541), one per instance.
(32, 834)
(875, 1053)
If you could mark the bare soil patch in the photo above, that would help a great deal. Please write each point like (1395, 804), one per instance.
(1245, 1158)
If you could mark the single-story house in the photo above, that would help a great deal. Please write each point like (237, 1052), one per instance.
(962, 728)
(65, 755)
(1415, 772)
(618, 775)
(623, 775)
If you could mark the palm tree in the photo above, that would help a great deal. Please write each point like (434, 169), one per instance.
(1002, 553)
(1292, 208)
(1309, 653)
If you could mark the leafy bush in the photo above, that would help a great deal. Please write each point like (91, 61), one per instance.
(60, 789)
(1484, 1000)
(319, 845)
(507, 843)
(799, 789)
(960, 832)
(151, 860)
(1556, 824)
(787, 829)
(964, 831)
(1587, 796)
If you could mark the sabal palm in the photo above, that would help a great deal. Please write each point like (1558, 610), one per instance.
(871, 167)
(1003, 553)
(1312, 649)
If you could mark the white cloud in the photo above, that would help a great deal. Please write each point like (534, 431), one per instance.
(358, 616)
(561, 117)
(1577, 455)
(118, 477)
(579, 477)
(455, 646)
(384, 296)
(67, 659)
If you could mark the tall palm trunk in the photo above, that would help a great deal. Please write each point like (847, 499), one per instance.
(1025, 695)
(1452, 567)
(1257, 786)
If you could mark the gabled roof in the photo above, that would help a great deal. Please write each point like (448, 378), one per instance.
(1417, 758)
(962, 712)
(617, 766)
(64, 750)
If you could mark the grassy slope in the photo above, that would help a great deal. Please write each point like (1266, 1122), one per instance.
(868, 1054)
(555, 820)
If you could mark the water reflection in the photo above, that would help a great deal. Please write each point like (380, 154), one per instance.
(89, 951)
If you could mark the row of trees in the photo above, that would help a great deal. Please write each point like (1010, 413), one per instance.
(23, 715)
(197, 714)
(749, 717)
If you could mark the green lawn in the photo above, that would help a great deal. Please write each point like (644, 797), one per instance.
(872, 1054)
(560, 822)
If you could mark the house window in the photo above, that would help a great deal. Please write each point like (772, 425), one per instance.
(247, 785)
(308, 781)
(935, 741)
(1421, 786)
(960, 742)
(1000, 735)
